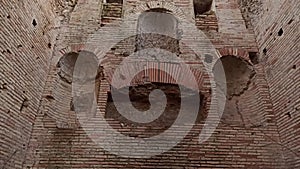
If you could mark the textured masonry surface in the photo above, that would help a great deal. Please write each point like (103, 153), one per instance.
(260, 126)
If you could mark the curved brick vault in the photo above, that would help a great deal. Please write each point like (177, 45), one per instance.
(259, 127)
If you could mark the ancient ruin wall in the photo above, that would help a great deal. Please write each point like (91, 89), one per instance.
(237, 142)
(278, 39)
(27, 39)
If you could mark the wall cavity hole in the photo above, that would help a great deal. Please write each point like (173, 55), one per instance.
(8, 16)
(254, 57)
(265, 51)
(8, 51)
(72, 107)
(294, 67)
(34, 23)
(280, 33)
(291, 21)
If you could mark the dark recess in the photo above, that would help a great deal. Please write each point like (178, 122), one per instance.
(254, 57)
(280, 33)
(265, 51)
(34, 23)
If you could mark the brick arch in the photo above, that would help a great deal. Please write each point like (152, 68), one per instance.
(152, 72)
(238, 52)
(59, 89)
(145, 6)
(72, 48)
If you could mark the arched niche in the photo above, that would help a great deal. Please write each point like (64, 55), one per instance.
(202, 6)
(157, 28)
(86, 72)
(238, 73)
(239, 76)
(73, 67)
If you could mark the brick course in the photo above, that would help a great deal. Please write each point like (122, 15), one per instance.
(39, 128)
(27, 38)
(278, 39)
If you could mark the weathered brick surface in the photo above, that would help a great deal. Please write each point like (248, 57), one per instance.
(111, 12)
(27, 38)
(259, 128)
(207, 21)
(278, 38)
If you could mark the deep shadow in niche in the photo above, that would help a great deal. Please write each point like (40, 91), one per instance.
(238, 73)
(202, 6)
(139, 97)
(114, 1)
(157, 28)
(265, 50)
(254, 57)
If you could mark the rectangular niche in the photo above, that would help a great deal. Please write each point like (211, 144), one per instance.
(111, 10)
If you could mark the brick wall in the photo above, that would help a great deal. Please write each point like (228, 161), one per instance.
(27, 39)
(111, 12)
(207, 21)
(278, 38)
(247, 136)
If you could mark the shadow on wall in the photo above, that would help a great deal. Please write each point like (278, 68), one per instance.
(202, 6)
